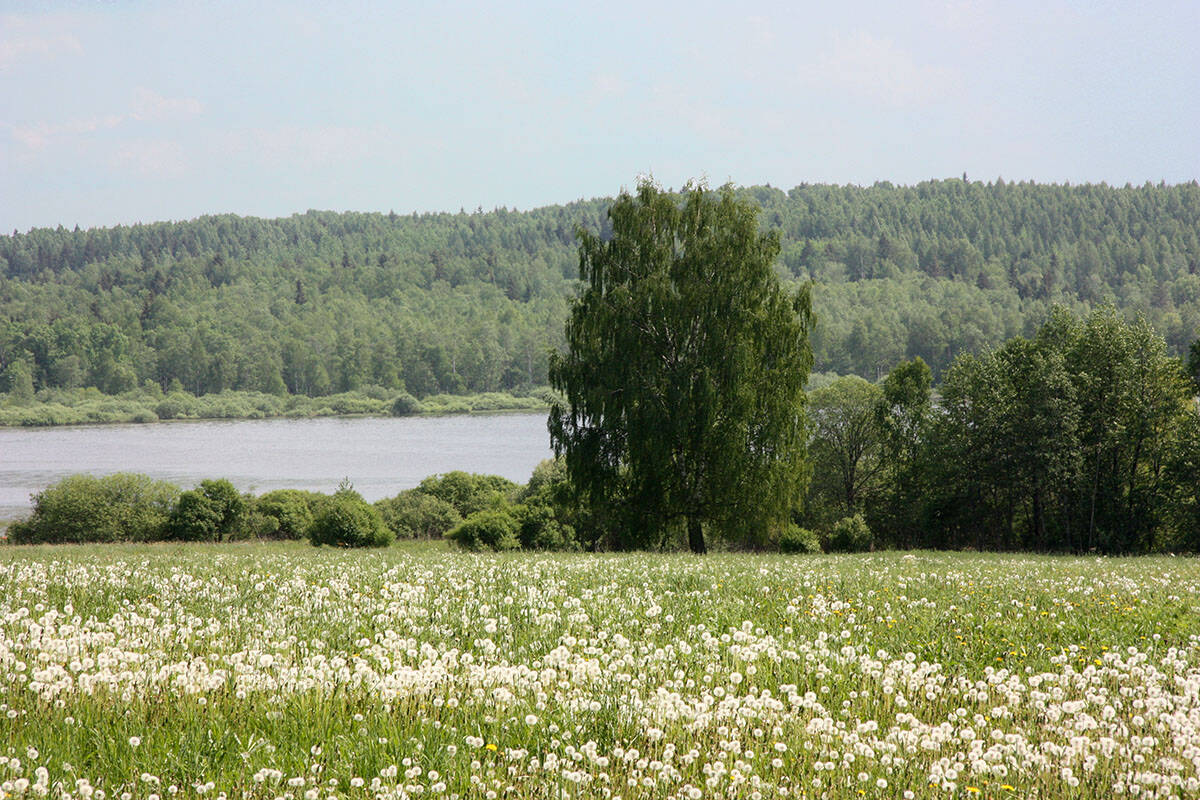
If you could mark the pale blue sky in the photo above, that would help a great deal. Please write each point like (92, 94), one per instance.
(138, 111)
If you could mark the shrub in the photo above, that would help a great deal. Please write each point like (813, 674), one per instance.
(290, 508)
(540, 529)
(412, 514)
(405, 405)
(256, 525)
(349, 521)
(213, 511)
(850, 535)
(547, 476)
(468, 492)
(83, 508)
(490, 529)
(799, 540)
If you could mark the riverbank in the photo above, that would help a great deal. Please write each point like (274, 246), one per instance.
(146, 405)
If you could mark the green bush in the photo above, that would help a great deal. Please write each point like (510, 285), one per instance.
(291, 509)
(256, 525)
(490, 529)
(850, 535)
(123, 507)
(405, 405)
(548, 476)
(540, 529)
(213, 511)
(412, 514)
(468, 492)
(349, 521)
(799, 540)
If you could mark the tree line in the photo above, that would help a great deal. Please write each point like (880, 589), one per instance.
(321, 303)
(1082, 438)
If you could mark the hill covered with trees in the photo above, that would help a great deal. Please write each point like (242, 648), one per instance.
(324, 302)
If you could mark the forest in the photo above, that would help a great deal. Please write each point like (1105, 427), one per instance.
(322, 303)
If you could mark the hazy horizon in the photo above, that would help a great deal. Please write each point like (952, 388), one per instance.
(120, 114)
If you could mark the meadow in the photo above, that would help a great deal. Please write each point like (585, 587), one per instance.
(280, 670)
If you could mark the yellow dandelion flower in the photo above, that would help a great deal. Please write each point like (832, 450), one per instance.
(490, 746)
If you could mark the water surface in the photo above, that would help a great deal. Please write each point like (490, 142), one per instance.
(380, 456)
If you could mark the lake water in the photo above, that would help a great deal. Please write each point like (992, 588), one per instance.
(380, 456)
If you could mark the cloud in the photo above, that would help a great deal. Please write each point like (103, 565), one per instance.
(159, 158)
(147, 106)
(21, 47)
(876, 69)
(312, 146)
(606, 85)
(39, 135)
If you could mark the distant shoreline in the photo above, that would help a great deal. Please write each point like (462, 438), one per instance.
(90, 407)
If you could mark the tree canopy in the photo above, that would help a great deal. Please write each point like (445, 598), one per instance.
(684, 371)
(320, 302)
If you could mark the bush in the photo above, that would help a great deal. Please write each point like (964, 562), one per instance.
(412, 514)
(291, 509)
(257, 525)
(349, 521)
(540, 529)
(468, 492)
(213, 511)
(799, 540)
(850, 535)
(548, 476)
(405, 405)
(491, 529)
(81, 508)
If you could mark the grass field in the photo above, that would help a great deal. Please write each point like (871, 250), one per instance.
(282, 671)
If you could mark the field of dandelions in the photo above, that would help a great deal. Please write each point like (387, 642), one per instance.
(265, 671)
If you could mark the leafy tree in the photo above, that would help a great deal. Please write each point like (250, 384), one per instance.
(1193, 365)
(349, 521)
(124, 507)
(685, 370)
(18, 382)
(213, 511)
(291, 508)
(847, 446)
(904, 415)
(467, 492)
(490, 529)
(413, 514)
(850, 535)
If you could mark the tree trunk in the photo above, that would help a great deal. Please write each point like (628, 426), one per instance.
(696, 536)
(1039, 522)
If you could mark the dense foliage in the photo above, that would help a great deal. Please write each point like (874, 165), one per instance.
(349, 521)
(1083, 438)
(539, 515)
(684, 376)
(321, 303)
(114, 508)
(212, 512)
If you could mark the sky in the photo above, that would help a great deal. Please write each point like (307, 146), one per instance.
(126, 112)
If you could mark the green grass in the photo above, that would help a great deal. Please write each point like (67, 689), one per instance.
(535, 676)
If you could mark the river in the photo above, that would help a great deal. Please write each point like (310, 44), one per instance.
(380, 456)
